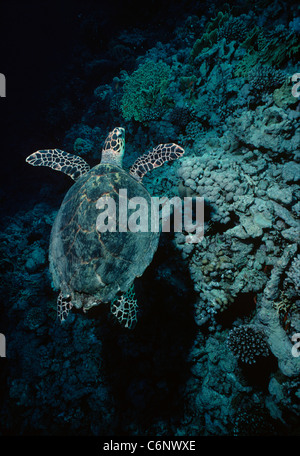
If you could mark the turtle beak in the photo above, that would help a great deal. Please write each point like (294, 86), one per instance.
(121, 131)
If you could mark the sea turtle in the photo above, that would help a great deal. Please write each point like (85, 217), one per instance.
(91, 267)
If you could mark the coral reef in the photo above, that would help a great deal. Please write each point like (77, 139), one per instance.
(212, 351)
(247, 343)
(144, 90)
(264, 79)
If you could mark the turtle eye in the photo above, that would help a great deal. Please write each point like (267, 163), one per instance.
(119, 131)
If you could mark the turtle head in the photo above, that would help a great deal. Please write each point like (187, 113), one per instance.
(114, 147)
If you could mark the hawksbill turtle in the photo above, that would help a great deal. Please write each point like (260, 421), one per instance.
(89, 267)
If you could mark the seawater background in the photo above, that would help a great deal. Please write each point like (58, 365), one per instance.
(174, 375)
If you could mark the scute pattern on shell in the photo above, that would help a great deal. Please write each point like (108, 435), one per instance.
(88, 265)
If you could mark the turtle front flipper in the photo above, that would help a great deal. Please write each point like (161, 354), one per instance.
(157, 157)
(64, 305)
(125, 308)
(57, 159)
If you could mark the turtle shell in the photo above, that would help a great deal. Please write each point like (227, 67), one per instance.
(89, 266)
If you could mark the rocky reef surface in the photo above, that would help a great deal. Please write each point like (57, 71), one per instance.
(212, 353)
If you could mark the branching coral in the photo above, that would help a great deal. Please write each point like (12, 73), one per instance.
(264, 79)
(210, 36)
(247, 343)
(234, 28)
(293, 274)
(272, 48)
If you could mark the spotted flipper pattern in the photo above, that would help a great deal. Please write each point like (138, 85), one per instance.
(57, 159)
(157, 157)
(125, 308)
(64, 306)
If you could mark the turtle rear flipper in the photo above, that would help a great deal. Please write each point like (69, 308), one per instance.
(64, 305)
(125, 308)
(157, 157)
(57, 159)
